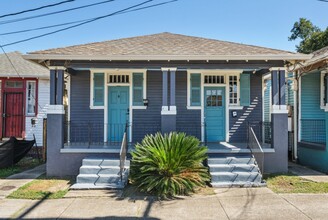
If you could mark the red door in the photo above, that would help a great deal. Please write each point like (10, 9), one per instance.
(13, 114)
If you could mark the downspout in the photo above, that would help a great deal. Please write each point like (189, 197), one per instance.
(296, 110)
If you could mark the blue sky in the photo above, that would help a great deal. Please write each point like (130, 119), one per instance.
(257, 22)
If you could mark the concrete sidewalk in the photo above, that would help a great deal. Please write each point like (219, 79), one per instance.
(15, 181)
(233, 203)
(307, 173)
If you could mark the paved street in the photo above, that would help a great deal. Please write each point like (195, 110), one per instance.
(235, 203)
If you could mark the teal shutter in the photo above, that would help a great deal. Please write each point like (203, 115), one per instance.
(137, 89)
(98, 89)
(245, 89)
(195, 82)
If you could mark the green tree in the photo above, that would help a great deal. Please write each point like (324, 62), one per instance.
(312, 37)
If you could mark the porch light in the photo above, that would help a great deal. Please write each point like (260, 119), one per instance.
(145, 102)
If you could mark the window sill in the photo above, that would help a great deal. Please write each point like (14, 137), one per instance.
(139, 107)
(236, 107)
(194, 107)
(97, 107)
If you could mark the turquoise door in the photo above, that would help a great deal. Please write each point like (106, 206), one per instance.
(214, 112)
(118, 110)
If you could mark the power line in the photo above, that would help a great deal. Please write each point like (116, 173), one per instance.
(126, 10)
(41, 28)
(53, 13)
(79, 21)
(11, 63)
(36, 9)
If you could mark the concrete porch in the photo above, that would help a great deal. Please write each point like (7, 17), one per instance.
(213, 147)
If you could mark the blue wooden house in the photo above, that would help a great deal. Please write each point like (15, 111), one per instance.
(161, 83)
(312, 111)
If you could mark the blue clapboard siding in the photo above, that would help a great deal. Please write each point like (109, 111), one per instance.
(312, 117)
(82, 117)
(149, 121)
(188, 121)
(238, 131)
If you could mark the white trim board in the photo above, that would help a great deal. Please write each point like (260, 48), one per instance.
(226, 74)
(130, 85)
(168, 57)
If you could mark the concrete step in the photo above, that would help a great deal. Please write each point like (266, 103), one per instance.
(78, 186)
(87, 178)
(99, 170)
(100, 162)
(231, 160)
(233, 168)
(236, 177)
(237, 184)
(109, 179)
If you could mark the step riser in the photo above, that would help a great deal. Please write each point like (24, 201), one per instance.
(86, 179)
(237, 178)
(88, 162)
(108, 180)
(233, 169)
(231, 161)
(99, 170)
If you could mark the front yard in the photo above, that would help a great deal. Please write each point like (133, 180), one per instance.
(289, 183)
(25, 164)
(43, 188)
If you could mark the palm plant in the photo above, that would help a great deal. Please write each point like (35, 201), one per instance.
(169, 165)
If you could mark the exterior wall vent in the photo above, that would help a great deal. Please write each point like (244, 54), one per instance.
(210, 79)
(112, 78)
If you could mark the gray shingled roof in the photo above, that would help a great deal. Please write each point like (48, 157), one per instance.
(24, 67)
(322, 51)
(163, 44)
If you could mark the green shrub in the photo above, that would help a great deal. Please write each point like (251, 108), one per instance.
(168, 165)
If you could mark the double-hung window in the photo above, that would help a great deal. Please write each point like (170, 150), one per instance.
(30, 98)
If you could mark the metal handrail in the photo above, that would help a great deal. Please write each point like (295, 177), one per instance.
(123, 152)
(255, 148)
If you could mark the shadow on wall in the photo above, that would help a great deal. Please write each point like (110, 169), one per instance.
(242, 120)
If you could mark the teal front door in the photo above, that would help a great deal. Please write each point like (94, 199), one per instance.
(118, 111)
(214, 112)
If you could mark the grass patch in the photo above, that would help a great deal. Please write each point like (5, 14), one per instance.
(289, 183)
(43, 188)
(25, 164)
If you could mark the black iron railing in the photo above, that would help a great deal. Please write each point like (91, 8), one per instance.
(313, 130)
(92, 133)
(262, 130)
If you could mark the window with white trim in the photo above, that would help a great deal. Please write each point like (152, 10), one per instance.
(30, 97)
(233, 90)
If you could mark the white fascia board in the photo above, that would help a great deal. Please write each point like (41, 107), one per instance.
(27, 76)
(168, 57)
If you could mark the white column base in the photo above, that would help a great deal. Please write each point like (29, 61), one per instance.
(56, 109)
